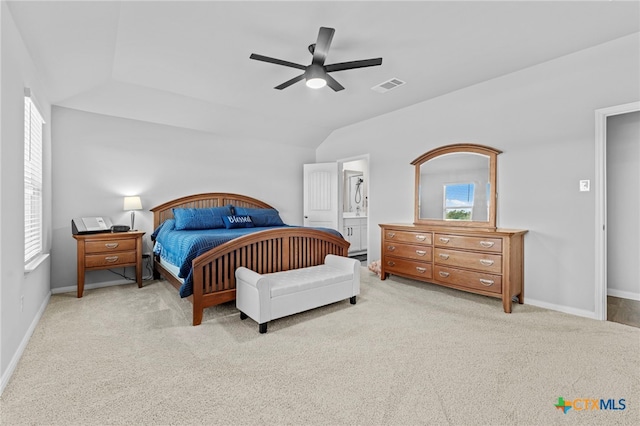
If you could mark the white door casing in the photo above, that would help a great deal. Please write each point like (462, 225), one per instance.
(601, 204)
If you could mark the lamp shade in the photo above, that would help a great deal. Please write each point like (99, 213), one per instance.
(132, 203)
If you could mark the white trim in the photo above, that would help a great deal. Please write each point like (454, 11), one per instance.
(34, 263)
(623, 294)
(560, 308)
(4, 381)
(74, 288)
(601, 203)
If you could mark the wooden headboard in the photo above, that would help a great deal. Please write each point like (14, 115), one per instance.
(211, 199)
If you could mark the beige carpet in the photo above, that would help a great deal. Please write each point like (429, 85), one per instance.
(406, 353)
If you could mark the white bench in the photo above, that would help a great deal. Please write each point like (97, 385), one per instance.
(265, 297)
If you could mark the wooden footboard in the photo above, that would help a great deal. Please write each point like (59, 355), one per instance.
(279, 249)
(274, 250)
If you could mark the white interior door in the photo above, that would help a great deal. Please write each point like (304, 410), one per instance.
(321, 195)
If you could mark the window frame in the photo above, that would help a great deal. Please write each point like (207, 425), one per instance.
(33, 181)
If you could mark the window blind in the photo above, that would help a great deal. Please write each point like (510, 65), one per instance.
(33, 123)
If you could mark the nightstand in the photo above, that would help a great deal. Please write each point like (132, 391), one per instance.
(109, 250)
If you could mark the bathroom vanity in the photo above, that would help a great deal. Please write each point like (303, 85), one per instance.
(355, 231)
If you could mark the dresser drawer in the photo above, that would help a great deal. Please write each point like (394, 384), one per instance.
(469, 243)
(464, 259)
(407, 237)
(410, 251)
(106, 246)
(112, 259)
(469, 279)
(407, 267)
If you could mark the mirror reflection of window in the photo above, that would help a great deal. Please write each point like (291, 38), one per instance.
(458, 201)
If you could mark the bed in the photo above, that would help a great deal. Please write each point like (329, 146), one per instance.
(272, 249)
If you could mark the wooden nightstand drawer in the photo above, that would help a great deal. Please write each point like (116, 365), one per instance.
(112, 259)
(106, 246)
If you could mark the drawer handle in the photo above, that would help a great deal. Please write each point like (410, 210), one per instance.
(487, 244)
(391, 248)
(391, 263)
(421, 270)
(443, 274)
(421, 237)
(111, 259)
(391, 234)
(421, 252)
(487, 283)
(444, 256)
(486, 262)
(111, 245)
(444, 240)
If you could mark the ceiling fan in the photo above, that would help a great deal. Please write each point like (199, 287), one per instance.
(316, 73)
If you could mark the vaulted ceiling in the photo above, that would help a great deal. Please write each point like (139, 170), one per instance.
(187, 63)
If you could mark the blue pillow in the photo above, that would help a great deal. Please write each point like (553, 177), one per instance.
(201, 218)
(232, 221)
(261, 217)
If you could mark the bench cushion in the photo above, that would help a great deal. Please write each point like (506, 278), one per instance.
(292, 281)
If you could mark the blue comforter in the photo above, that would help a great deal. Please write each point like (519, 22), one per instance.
(181, 247)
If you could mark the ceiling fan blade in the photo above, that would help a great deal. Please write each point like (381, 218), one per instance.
(290, 82)
(353, 64)
(325, 35)
(276, 61)
(331, 82)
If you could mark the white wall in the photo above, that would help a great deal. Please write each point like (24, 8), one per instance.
(98, 159)
(623, 205)
(22, 296)
(542, 118)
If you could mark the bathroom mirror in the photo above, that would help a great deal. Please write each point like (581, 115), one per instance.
(455, 185)
(354, 192)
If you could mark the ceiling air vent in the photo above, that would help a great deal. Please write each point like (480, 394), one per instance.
(388, 85)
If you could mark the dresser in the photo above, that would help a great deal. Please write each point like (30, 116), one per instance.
(107, 251)
(487, 262)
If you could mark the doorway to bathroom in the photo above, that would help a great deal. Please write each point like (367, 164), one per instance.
(355, 191)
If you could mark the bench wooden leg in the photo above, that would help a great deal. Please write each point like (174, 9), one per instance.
(263, 328)
(352, 300)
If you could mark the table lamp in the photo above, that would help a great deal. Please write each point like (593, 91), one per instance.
(132, 204)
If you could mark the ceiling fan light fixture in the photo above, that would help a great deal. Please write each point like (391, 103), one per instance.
(315, 77)
(317, 73)
(316, 83)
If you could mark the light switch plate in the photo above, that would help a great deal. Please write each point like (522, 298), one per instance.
(585, 185)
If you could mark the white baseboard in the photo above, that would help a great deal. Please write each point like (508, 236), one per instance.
(23, 344)
(74, 288)
(560, 308)
(623, 294)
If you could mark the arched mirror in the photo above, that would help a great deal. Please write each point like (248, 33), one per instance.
(456, 186)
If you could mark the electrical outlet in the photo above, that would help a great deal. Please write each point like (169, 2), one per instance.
(585, 185)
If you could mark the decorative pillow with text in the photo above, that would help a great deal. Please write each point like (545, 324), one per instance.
(237, 222)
